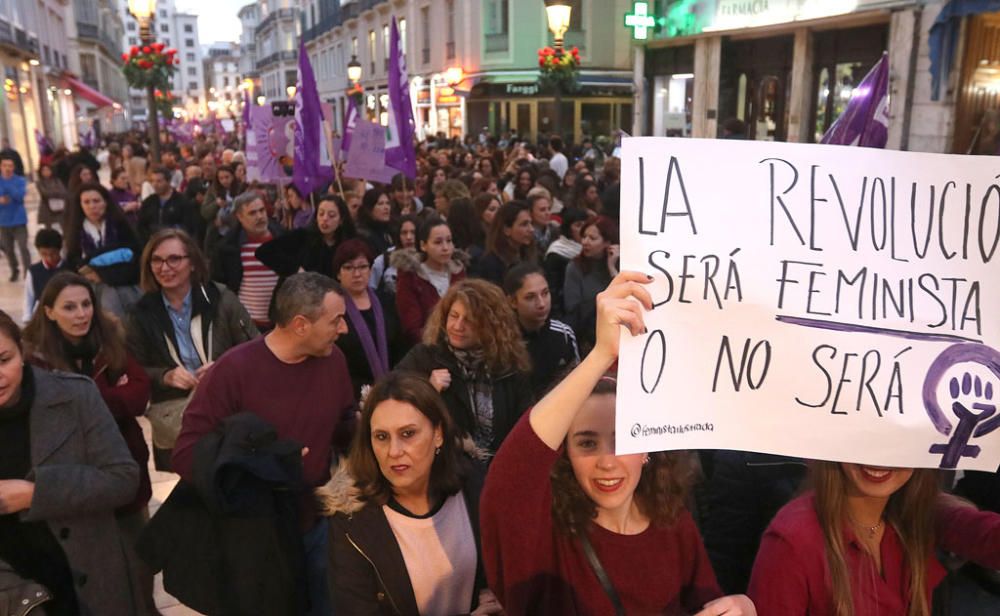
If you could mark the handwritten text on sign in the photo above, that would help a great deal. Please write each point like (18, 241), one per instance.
(824, 302)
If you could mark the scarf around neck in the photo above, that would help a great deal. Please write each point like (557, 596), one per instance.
(376, 349)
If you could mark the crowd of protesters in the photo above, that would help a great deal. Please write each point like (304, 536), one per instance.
(395, 399)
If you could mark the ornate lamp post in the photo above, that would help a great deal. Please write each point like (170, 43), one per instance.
(558, 14)
(143, 10)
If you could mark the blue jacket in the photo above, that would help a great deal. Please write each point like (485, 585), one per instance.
(13, 214)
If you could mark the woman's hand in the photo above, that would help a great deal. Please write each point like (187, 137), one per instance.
(15, 495)
(620, 304)
(732, 605)
(200, 372)
(440, 379)
(488, 604)
(180, 378)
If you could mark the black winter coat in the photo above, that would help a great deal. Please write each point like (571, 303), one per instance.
(177, 212)
(511, 392)
(229, 543)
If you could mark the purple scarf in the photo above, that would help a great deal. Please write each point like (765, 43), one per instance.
(378, 359)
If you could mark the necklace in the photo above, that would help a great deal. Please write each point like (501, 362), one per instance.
(872, 529)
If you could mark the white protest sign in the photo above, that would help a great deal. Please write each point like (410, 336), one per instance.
(824, 302)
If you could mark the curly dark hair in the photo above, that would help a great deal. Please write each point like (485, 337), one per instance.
(661, 494)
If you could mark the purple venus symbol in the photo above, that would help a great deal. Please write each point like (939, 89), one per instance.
(972, 401)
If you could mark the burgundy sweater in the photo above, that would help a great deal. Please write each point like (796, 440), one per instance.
(309, 402)
(534, 568)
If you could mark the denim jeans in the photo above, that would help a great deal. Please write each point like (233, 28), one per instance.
(317, 557)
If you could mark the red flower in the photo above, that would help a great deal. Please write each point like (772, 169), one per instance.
(145, 64)
(157, 47)
(146, 49)
(125, 57)
(541, 62)
(575, 51)
(171, 51)
(133, 50)
(177, 60)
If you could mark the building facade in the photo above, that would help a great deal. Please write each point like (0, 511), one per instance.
(179, 31)
(95, 49)
(276, 38)
(249, 18)
(471, 69)
(787, 69)
(222, 78)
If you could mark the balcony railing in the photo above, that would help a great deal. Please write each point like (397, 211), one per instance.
(274, 17)
(276, 57)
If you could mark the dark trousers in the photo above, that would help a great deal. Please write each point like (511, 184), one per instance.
(15, 235)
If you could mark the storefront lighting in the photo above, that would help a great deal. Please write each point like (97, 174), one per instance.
(682, 76)
(34, 62)
(454, 75)
(68, 92)
(261, 100)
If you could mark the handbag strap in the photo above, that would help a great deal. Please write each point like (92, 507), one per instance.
(602, 575)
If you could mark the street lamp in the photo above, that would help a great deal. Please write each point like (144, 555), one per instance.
(261, 100)
(143, 11)
(354, 70)
(558, 14)
(290, 91)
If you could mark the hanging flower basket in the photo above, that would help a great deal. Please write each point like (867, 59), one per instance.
(150, 65)
(559, 70)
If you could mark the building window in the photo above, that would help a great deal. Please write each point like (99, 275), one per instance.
(188, 28)
(425, 35)
(164, 28)
(166, 42)
(189, 57)
(449, 8)
(133, 41)
(576, 16)
(192, 71)
(189, 42)
(225, 81)
(385, 46)
(130, 26)
(163, 14)
(371, 50)
(192, 85)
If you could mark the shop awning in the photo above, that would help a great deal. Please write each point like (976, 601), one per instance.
(88, 93)
(943, 38)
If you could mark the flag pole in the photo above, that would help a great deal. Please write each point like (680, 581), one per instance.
(336, 175)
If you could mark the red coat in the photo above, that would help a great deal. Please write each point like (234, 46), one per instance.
(126, 402)
(416, 297)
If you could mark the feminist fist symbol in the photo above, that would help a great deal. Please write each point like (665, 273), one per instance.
(972, 402)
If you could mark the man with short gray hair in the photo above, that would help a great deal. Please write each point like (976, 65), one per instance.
(294, 378)
(235, 262)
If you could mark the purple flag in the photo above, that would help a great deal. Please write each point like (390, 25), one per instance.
(350, 121)
(44, 145)
(865, 122)
(270, 147)
(307, 173)
(399, 152)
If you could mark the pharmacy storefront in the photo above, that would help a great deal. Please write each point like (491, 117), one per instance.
(785, 68)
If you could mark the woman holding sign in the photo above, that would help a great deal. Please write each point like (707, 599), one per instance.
(568, 527)
(863, 541)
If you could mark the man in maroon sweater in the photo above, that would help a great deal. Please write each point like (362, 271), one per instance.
(296, 379)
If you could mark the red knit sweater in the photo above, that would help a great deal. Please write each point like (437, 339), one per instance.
(536, 569)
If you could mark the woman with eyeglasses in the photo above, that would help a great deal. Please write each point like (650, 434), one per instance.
(370, 331)
(177, 329)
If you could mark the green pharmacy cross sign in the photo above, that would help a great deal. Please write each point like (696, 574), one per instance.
(640, 21)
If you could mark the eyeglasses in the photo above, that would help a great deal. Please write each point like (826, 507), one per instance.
(355, 269)
(172, 261)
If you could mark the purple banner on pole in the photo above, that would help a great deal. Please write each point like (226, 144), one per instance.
(366, 158)
(350, 121)
(307, 174)
(865, 121)
(44, 145)
(271, 145)
(399, 152)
